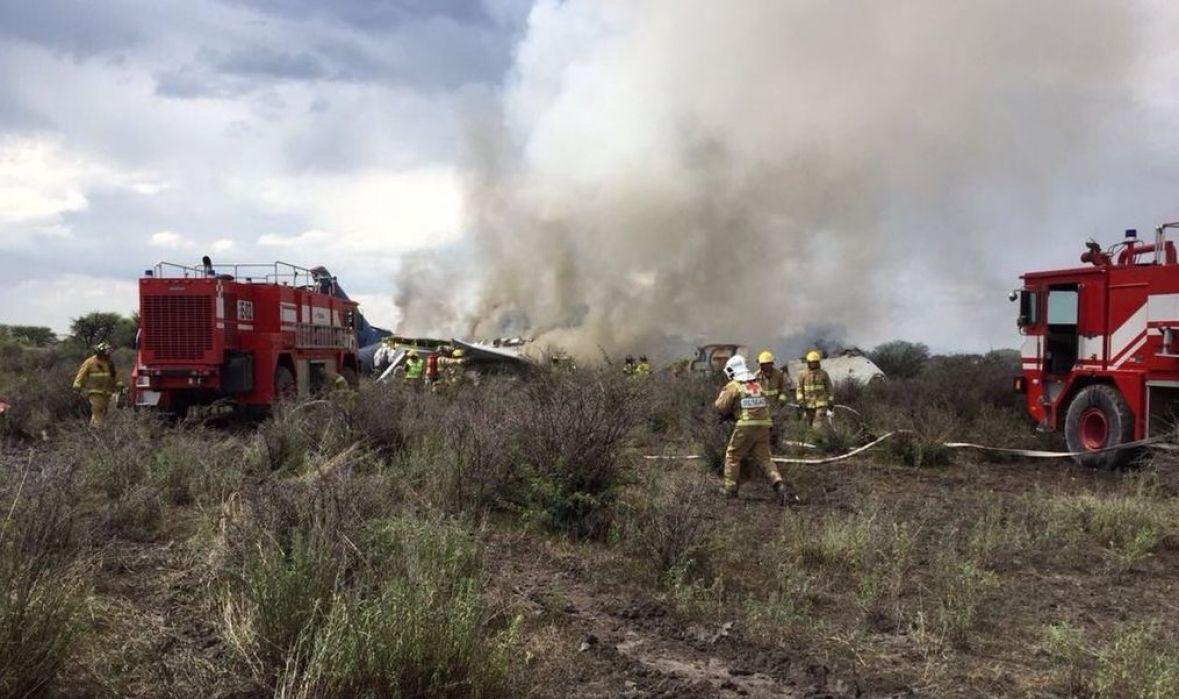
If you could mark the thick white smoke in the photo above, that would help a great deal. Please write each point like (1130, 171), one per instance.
(660, 171)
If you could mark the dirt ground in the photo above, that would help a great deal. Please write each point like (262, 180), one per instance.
(610, 636)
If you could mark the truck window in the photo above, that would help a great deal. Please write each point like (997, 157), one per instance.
(1062, 307)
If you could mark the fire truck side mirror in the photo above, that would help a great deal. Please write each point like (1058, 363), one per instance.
(1027, 307)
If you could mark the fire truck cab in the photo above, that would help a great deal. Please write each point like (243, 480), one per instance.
(241, 335)
(1100, 353)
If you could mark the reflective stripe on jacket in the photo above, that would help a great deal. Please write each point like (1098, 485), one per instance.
(96, 375)
(773, 385)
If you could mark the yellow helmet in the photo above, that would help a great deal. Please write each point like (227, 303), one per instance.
(457, 354)
(766, 357)
(412, 354)
(814, 356)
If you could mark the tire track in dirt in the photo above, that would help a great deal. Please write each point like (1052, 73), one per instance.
(638, 650)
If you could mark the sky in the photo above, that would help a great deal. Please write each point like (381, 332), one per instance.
(355, 134)
(249, 130)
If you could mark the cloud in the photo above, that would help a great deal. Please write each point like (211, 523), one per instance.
(370, 211)
(55, 300)
(168, 239)
(39, 183)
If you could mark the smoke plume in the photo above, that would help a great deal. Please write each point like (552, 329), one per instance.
(661, 171)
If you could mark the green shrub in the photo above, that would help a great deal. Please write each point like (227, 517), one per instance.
(419, 629)
(960, 591)
(339, 603)
(1141, 662)
(1128, 529)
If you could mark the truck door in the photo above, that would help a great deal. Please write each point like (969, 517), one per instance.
(1061, 338)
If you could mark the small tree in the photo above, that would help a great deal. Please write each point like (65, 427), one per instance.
(96, 327)
(900, 359)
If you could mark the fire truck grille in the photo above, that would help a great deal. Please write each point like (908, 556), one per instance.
(178, 327)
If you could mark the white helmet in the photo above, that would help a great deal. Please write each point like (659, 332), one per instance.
(735, 369)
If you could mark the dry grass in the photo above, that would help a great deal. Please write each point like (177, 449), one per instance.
(337, 549)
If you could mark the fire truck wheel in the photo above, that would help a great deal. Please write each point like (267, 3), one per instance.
(284, 384)
(1099, 418)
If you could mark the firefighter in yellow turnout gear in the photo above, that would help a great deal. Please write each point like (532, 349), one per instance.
(816, 393)
(743, 400)
(643, 368)
(97, 381)
(773, 387)
(452, 367)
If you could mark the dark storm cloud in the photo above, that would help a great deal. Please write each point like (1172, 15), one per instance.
(374, 15)
(268, 62)
(80, 28)
(420, 45)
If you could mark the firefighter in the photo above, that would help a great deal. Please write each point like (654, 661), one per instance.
(743, 401)
(773, 387)
(339, 390)
(643, 368)
(414, 368)
(452, 367)
(97, 381)
(432, 369)
(628, 366)
(772, 380)
(815, 393)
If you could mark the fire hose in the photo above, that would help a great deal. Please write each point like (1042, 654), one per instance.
(1154, 442)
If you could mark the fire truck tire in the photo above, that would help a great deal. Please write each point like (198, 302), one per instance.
(285, 388)
(1099, 418)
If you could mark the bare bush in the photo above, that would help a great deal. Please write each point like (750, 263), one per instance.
(552, 448)
(42, 577)
(668, 524)
(38, 386)
(570, 432)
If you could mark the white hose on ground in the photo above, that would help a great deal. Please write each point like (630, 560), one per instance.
(1027, 453)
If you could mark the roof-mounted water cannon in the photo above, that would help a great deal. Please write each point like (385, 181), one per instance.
(1095, 255)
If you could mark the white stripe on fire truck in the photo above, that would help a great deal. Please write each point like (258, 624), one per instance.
(1127, 334)
(1137, 345)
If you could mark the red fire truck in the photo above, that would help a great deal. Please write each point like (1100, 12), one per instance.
(242, 335)
(1101, 350)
